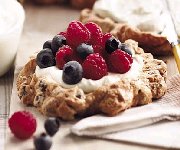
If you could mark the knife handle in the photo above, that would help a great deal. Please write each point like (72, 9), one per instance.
(176, 52)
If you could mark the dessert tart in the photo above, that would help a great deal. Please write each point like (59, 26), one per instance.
(137, 20)
(82, 71)
(79, 4)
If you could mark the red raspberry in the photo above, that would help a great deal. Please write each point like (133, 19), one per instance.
(77, 33)
(62, 33)
(22, 124)
(63, 55)
(94, 67)
(106, 36)
(98, 49)
(120, 62)
(109, 65)
(96, 33)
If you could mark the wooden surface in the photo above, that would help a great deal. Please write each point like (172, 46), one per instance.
(5, 95)
(40, 25)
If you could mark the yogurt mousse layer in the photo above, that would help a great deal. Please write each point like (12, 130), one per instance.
(54, 75)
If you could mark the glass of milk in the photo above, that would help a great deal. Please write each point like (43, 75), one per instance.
(11, 24)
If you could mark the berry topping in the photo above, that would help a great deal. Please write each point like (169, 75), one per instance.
(75, 57)
(22, 124)
(45, 58)
(42, 142)
(98, 49)
(63, 34)
(96, 33)
(106, 36)
(120, 61)
(124, 47)
(72, 72)
(83, 50)
(47, 44)
(109, 65)
(94, 67)
(111, 45)
(63, 55)
(52, 125)
(77, 33)
(57, 42)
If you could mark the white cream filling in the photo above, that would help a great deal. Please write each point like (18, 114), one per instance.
(54, 75)
(143, 14)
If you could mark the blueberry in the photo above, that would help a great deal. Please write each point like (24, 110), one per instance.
(124, 47)
(47, 44)
(112, 44)
(45, 58)
(83, 50)
(52, 125)
(72, 72)
(42, 142)
(57, 42)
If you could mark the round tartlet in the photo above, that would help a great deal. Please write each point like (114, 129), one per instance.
(52, 99)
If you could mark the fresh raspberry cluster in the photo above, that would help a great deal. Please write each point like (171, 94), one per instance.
(95, 52)
(96, 65)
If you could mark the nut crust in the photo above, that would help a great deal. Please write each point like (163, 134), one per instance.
(53, 100)
(152, 43)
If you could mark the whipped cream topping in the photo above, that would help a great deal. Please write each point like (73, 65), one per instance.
(54, 75)
(143, 14)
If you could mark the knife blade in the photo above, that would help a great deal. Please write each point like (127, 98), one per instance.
(171, 34)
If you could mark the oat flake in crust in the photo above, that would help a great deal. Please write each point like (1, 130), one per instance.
(53, 100)
(154, 43)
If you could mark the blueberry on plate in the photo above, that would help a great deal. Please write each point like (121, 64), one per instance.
(47, 44)
(111, 45)
(83, 50)
(45, 58)
(72, 72)
(124, 47)
(57, 42)
(52, 125)
(42, 142)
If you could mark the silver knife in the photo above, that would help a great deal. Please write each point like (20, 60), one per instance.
(171, 34)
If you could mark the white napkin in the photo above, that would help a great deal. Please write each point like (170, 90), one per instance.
(122, 127)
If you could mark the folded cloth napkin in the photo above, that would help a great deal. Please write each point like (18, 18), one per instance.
(122, 127)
